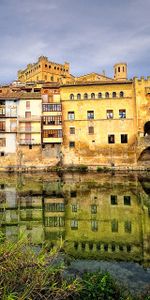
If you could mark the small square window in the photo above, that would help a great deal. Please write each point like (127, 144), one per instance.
(90, 114)
(93, 209)
(2, 154)
(74, 207)
(30, 146)
(91, 130)
(94, 225)
(109, 114)
(113, 200)
(72, 130)
(73, 194)
(71, 115)
(127, 226)
(72, 144)
(124, 138)
(127, 200)
(74, 224)
(111, 139)
(122, 113)
(114, 226)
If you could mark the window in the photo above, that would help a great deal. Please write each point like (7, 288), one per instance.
(121, 94)
(52, 133)
(114, 94)
(91, 130)
(98, 246)
(111, 139)
(73, 194)
(85, 96)
(74, 224)
(72, 144)
(52, 120)
(118, 69)
(51, 78)
(51, 107)
(109, 114)
(127, 200)
(128, 248)
(113, 247)
(106, 95)
(74, 207)
(94, 225)
(90, 114)
(27, 104)
(27, 114)
(121, 247)
(93, 209)
(2, 125)
(54, 207)
(54, 222)
(113, 200)
(71, 96)
(122, 113)
(92, 96)
(45, 77)
(2, 142)
(99, 95)
(105, 247)
(124, 138)
(72, 130)
(78, 96)
(114, 225)
(71, 115)
(127, 226)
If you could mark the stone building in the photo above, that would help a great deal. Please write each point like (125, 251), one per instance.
(106, 121)
(45, 70)
(92, 119)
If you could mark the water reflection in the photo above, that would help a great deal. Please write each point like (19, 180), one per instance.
(98, 216)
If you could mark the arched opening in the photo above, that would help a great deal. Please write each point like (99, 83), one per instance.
(85, 96)
(147, 128)
(78, 96)
(145, 155)
(71, 96)
(92, 96)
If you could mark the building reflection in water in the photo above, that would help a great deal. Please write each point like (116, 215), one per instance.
(97, 216)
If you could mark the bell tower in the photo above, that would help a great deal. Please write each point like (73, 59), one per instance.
(120, 71)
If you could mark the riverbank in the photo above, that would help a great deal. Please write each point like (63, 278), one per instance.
(71, 168)
(30, 273)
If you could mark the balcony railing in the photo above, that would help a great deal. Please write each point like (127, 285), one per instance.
(28, 142)
(29, 119)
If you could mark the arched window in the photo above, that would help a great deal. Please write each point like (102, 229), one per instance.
(114, 94)
(85, 96)
(99, 95)
(78, 96)
(71, 96)
(106, 95)
(121, 94)
(92, 96)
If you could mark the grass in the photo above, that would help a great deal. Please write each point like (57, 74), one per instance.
(26, 274)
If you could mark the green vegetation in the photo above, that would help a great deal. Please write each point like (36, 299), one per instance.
(29, 274)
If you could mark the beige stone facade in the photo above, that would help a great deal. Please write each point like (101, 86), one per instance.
(46, 71)
(92, 119)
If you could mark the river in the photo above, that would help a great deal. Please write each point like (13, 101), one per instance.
(101, 220)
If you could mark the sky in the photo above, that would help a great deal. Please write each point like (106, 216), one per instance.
(92, 35)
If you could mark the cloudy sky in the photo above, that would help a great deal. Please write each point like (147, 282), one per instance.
(90, 34)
